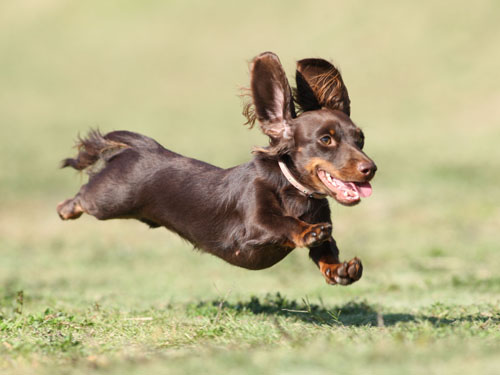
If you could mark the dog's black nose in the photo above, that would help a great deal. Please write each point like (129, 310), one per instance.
(367, 168)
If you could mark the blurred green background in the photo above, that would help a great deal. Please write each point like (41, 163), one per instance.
(424, 82)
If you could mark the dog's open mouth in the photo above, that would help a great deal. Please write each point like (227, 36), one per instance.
(345, 192)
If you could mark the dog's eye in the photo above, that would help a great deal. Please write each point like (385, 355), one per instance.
(360, 143)
(326, 140)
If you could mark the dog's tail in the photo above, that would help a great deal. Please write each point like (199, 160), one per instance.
(92, 148)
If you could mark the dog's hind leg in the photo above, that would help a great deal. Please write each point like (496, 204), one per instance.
(112, 164)
(70, 209)
(96, 199)
(105, 196)
(73, 208)
(111, 193)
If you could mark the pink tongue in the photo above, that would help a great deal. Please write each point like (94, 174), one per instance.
(364, 189)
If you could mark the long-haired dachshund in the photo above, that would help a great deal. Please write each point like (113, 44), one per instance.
(254, 214)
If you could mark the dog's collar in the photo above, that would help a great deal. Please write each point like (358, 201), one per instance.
(309, 193)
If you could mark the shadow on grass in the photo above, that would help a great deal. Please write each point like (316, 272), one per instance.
(352, 313)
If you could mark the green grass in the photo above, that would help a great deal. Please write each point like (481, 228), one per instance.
(116, 297)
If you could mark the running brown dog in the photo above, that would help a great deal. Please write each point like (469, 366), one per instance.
(254, 214)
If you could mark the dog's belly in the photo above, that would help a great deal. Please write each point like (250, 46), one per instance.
(256, 258)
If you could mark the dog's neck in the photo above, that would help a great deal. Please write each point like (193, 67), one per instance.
(292, 180)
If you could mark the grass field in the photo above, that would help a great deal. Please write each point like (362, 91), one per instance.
(116, 297)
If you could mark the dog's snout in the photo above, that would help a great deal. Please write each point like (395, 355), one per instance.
(367, 168)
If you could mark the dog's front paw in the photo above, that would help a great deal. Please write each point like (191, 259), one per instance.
(314, 235)
(343, 273)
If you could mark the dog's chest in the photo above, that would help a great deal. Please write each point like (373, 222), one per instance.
(294, 203)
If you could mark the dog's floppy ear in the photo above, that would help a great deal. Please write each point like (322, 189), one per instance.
(319, 84)
(271, 96)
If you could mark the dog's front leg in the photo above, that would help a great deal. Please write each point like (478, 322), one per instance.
(293, 232)
(288, 230)
(326, 256)
(301, 234)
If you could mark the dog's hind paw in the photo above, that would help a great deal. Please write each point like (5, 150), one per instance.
(342, 273)
(69, 210)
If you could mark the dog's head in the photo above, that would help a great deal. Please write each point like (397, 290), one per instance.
(323, 145)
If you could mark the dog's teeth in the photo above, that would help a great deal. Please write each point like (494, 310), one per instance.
(345, 194)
